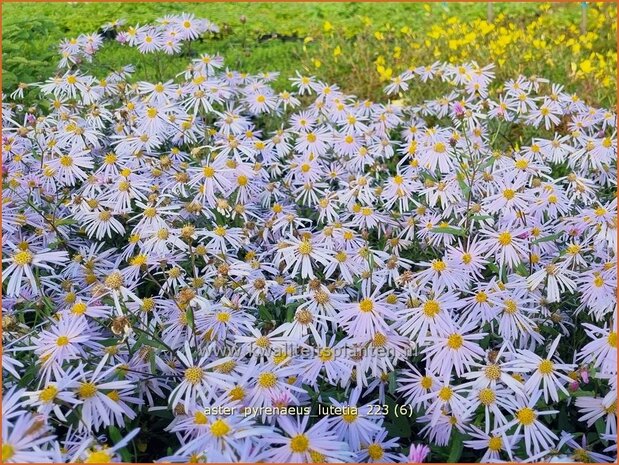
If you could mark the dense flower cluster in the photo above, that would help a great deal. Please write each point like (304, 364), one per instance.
(233, 261)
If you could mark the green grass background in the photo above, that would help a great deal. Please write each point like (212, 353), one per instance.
(271, 39)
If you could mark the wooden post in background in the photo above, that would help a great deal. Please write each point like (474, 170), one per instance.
(583, 18)
(490, 15)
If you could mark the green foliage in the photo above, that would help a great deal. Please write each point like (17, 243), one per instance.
(257, 37)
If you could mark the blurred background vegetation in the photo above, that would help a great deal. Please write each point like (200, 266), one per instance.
(357, 45)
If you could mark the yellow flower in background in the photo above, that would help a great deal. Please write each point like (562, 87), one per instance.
(586, 66)
(549, 45)
(385, 73)
(544, 7)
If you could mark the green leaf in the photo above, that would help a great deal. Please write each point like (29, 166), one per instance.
(549, 238)
(190, 319)
(600, 426)
(456, 448)
(397, 425)
(582, 393)
(464, 187)
(265, 314)
(146, 339)
(290, 310)
(522, 270)
(66, 222)
(392, 383)
(449, 230)
(117, 437)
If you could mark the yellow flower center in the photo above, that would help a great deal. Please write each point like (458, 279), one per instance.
(66, 161)
(62, 341)
(445, 394)
(526, 416)
(139, 260)
(431, 308)
(426, 382)
(263, 342)
(194, 375)
(366, 305)
(505, 238)
(612, 408)
(299, 443)
(379, 340)
(495, 443)
(521, 164)
(79, 308)
(48, 394)
(509, 194)
(87, 390)
(581, 455)
(546, 367)
(493, 372)
(612, 339)
(23, 258)
(219, 428)
(163, 234)
(481, 297)
(325, 354)
(267, 380)
(486, 396)
(208, 171)
(511, 306)
(99, 456)
(439, 265)
(317, 457)
(375, 451)
(304, 317)
(305, 248)
(8, 451)
(105, 215)
(237, 393)
(115, 280)
(600, 211)
(349, 415)
(455, 341)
